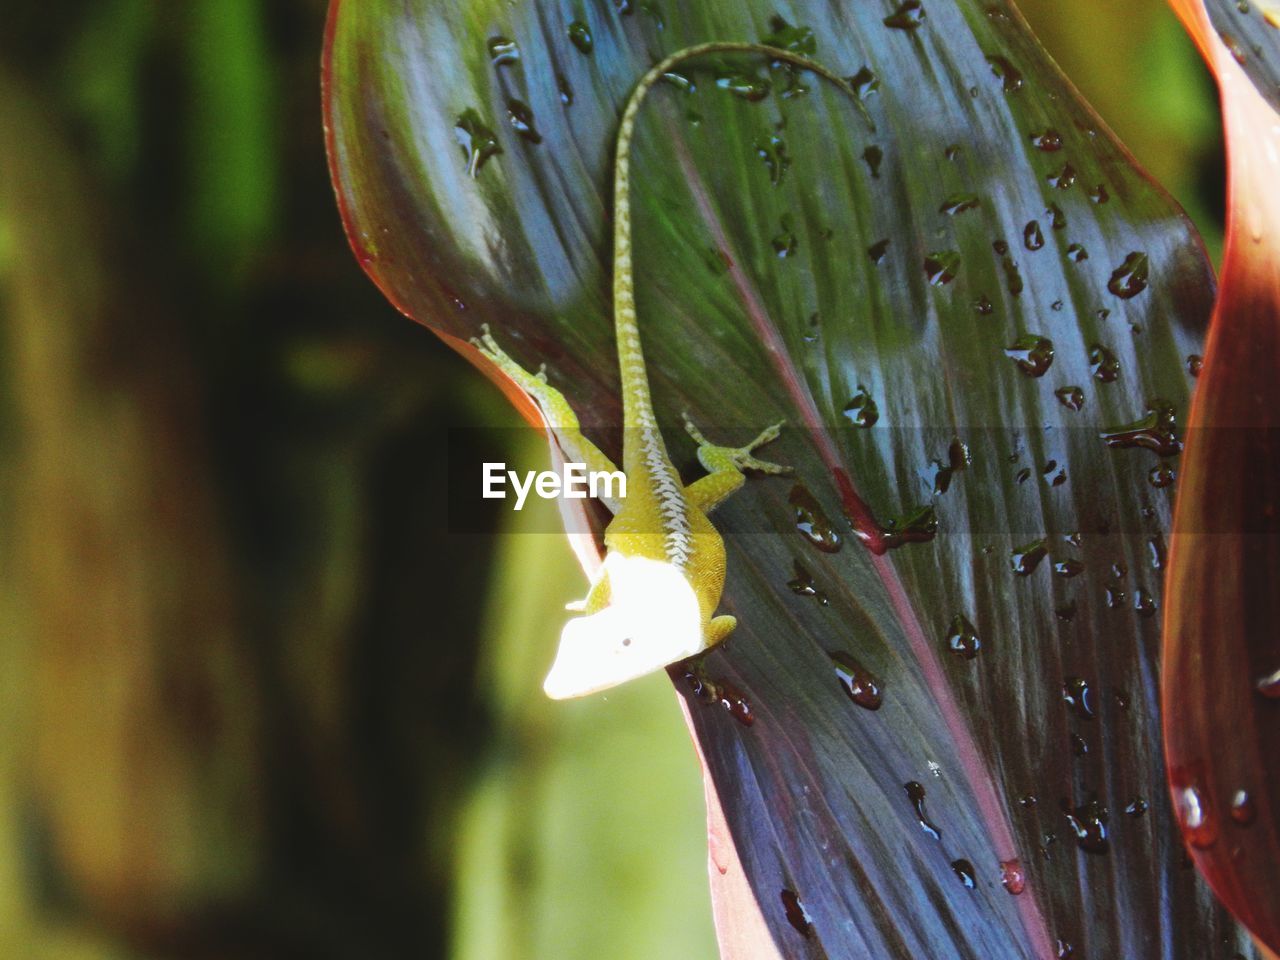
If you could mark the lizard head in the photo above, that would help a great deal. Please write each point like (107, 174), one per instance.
(653, 619)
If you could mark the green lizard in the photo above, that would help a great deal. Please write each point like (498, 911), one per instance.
(654, 600)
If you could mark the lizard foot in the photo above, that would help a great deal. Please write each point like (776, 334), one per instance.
(714, 456)
(489, 346)
(534, 383)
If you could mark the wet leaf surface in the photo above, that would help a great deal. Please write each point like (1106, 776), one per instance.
(890, 290)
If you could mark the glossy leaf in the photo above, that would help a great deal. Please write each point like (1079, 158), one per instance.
(1222, 646)
(987, 272)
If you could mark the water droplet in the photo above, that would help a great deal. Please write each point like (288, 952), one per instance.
(857, 681)
(580, 37)
(964, 870)
(877, 251)
(1136, 807)
(1023, 475)
(521, 119)
(1156, 431)
(873, 155)
(1194, 363)
(909, 16)
(1032, 353)
(804, 585)
(784, 242)
(503, 50)
(1065, 950)
(1197, 822)
(743, 84)
(1063, 179)
(1103, 363)
(1028, 800)
(478, 142)
(1026, 558)
(1243, 810)
(1161, 476)
(1009, 76)
(1066, 612)
(1070, 397)
(566, 91)
(1130, 278)
(919, 525)
(797, 916)
(1157, 552)
(915, 792)
(962, 638)
(1077, 694)
(1049, 140)
(1000, 247)
(1057, 219)
(651, 10)
(1099, 194)
(1031, 235)
(958, 203)
(983, 306)
(1012, 877)
(1089, 824)
(941, 478)
(941, 266)
(1012, 276)
(1144, 603)
(1068, 568)
(812, 520)
(864, 83)
(1078, 745)
(731, 699)
(719, 692)
(774, 154)
(798, 39)
(861, 410)
(1269, 685)
(1076, 253)
(952, 151)
(1048, 840)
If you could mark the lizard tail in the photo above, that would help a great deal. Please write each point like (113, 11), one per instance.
(636, 400)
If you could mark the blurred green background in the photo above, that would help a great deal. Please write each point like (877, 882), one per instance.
(255, 699)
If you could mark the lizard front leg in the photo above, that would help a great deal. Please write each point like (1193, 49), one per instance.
(555, 408)
(725, 468)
